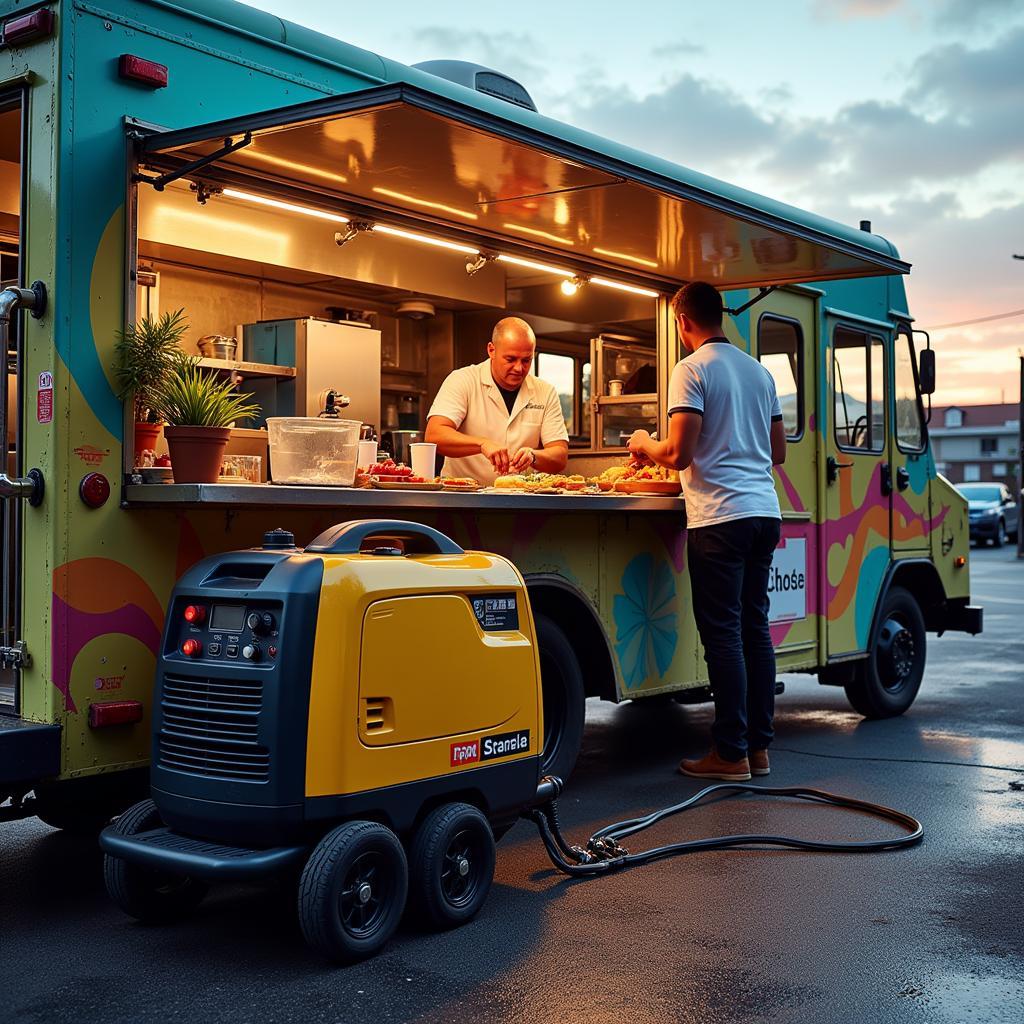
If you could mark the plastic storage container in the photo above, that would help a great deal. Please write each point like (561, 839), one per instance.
(308, 450)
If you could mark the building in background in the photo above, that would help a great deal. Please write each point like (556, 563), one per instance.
(976, 442)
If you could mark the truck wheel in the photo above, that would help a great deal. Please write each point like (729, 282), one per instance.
(564, 700)
(887, 681)
(452, 865)
(352, 892)
(143, 893)
(1000, 538)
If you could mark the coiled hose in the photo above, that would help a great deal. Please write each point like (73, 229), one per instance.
(604, 852)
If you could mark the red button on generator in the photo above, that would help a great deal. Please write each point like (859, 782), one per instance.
(195, 613)
(191, 648)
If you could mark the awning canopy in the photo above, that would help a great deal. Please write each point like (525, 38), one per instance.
(421, 160)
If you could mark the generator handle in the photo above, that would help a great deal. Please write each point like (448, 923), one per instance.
(348, 538)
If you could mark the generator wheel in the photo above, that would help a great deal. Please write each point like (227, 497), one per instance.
(564, 699)
(144, 893)
(887, 681)
(353, 889)
(452, 865)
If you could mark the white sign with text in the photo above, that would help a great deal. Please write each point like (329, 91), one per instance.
(787, 581)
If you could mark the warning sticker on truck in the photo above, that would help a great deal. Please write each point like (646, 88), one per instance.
(496, 611)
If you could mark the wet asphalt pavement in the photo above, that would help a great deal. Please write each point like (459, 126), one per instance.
(931, 934)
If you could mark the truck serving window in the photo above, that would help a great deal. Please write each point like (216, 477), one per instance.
(859, 380)
(780, 349)
(909, 420)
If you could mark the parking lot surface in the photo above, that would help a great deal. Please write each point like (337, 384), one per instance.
(927, 934)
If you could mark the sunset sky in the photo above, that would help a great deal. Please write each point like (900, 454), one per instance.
(908, 113)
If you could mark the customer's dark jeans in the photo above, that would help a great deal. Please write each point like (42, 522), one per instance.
(729, 566)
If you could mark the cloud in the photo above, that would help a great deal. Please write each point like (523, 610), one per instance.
(848, 9)
(972, 13)
(678, 49)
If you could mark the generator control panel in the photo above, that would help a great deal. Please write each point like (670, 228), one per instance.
(227, 631)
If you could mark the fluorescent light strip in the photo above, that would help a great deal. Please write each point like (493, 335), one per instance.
(534, 266)
(277, 204)
(625, 256)
(539, 234)
(618, 286)
(426, 239)
(424, 202)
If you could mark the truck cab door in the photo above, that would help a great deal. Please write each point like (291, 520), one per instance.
(856, 522)
(786, 345)
(909, 458)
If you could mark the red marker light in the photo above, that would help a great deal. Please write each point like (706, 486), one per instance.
(272, 651)
(195, 613)
(145, 72)
(114, 712)
(94, 489)
(24, 29)
(191, 648)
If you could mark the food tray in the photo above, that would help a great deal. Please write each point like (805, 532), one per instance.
(402, 485)
(669, 487)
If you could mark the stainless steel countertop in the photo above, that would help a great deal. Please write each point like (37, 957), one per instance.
(255, 496)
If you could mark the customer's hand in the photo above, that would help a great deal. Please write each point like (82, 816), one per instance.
(497, 455)
(637, 445)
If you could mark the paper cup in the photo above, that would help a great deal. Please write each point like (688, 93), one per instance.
(423, 458)
(367, 454)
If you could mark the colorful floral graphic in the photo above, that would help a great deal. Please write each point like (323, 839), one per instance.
(646, 619)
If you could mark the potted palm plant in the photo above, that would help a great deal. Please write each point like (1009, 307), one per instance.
(146, 352)
(199, 409)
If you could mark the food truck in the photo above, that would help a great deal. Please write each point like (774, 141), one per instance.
(357, 226)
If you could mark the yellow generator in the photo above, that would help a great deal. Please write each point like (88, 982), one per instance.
(364, 713)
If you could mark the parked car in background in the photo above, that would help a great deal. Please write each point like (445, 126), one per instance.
(991, 512)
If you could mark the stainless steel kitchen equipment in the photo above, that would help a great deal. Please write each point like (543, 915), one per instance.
(397, 442)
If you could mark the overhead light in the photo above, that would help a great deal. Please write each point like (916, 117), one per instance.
(429, 203)
(278, 204)
(537, 233)
(625, 256)
(426, 239)
(572, 285)
(619, 286)
(543, 267)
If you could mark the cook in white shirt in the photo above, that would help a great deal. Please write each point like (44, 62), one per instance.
(495, 418)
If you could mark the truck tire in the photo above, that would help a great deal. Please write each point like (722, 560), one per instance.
(452, 865)
(353, 890)
(564, 699)
(887, 681)
(142, 893)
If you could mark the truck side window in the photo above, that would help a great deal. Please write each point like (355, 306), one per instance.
(780, 349)
(859, 379)
(909, 421)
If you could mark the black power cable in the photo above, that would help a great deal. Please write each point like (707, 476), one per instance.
(604, 853)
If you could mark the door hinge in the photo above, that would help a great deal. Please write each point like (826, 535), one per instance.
(16, 656)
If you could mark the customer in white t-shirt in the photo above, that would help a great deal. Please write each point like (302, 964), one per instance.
(725, 434)
(495, 417)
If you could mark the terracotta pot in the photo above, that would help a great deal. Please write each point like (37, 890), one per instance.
(146, 435)
(196, 453)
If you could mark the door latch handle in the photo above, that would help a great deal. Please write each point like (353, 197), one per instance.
(902, 478)
(832, 467)
(886, 479)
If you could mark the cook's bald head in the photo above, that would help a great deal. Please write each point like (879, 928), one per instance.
(511, 351)
(512, 329)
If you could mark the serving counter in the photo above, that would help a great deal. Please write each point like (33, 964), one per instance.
(260, 496)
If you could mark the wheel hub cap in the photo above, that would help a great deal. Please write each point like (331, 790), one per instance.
(896, 650)
(365, 893)
(463, 866)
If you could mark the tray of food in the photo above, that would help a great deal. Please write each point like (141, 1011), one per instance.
(639, 478)
(459, 483)
(669, 487)
(409, 483)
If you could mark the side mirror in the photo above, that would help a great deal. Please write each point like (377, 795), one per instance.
(926, 370)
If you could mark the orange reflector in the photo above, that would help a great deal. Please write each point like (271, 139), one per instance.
(114, 712)
(959, 562)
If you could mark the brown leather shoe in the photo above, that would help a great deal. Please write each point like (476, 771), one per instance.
(711, 766)
(759, 762)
